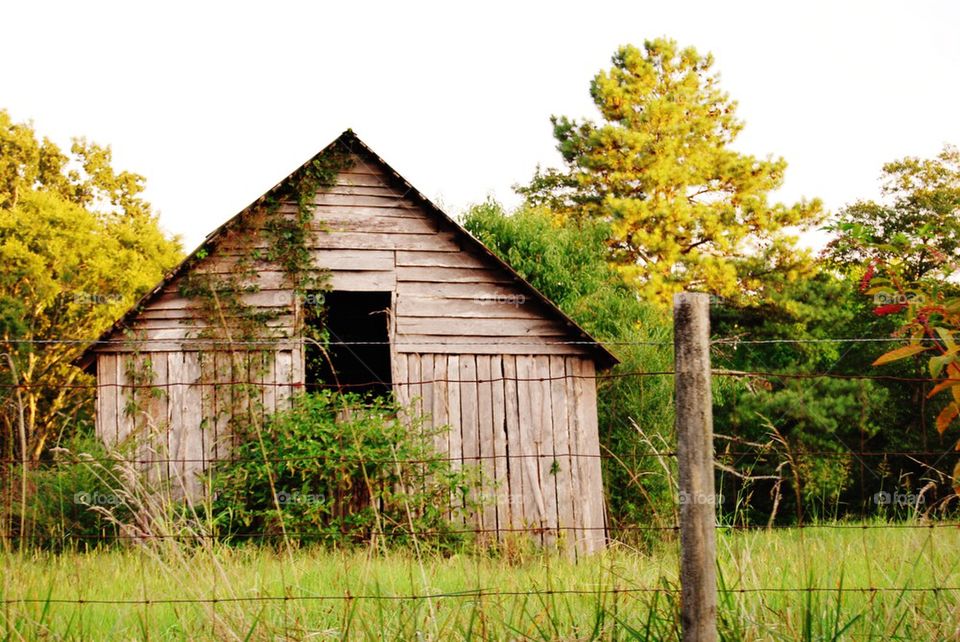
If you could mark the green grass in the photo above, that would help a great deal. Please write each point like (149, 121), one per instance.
(818, 558)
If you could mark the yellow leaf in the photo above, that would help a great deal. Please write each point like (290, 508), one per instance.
(946, 337)
(943, 385)
(899, 353)
(946, 416)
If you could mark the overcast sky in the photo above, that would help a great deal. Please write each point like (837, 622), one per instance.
(216, 103)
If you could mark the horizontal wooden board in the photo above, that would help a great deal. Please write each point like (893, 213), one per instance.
(452, 275)
(323, 212)
(193, 312)
(349, 222)
(263, 299)
(485, 292)
(324, 198)
(482, 345)
(413, 306)
(192, 345)
(345, 189)
(439, 326)
(441, 259)
(363, 281)
(372, 260)
(443, 242)
(354, 177)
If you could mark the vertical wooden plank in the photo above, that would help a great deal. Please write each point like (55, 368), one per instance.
(488, 497)
(549, 466)
(438, 421)
(124, 392)
(269, 380)
(107, 378)
(470, 427)
(578, 464)
(426, 388)
(561, 444)
(224, 401)
(174, 439)
(285, 377)
(440, 405)
(192, 425)
(402, 379)
(499, 437)
(414, 380)
(453, 418)
(298, 369)
(157, 428)
(590, 447)
(514, 445)
(529, 406)
(208, 410)
(257, 369)
(98, 401)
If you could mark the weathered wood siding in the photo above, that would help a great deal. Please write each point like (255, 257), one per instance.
(475, 350)
(449, 299)
(529, 423)
(179, 420)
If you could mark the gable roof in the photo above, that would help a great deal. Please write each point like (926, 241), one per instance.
(352, 143)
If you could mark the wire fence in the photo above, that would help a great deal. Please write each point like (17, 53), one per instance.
(870, 508)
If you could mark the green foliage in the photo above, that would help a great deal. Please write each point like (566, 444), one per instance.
(566, 260)
(778, 425)
(906, 252)
(684, 208)
(342, 470)
(78, 245)
(915, 229)
(71, 496)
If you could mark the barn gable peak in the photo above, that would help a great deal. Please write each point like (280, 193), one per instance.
(349, 141)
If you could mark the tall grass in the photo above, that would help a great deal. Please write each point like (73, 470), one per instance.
(622, 594)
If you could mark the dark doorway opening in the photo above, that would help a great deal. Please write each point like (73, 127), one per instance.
(353, 332)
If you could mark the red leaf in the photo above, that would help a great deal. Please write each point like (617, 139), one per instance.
(890, 308)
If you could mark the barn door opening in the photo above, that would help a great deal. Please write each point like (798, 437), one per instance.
(353, 330)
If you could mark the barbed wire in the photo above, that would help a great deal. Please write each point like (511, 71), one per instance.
(82, 458)
(500, 342)
(470, 594)
(545, 530)
(479, 380)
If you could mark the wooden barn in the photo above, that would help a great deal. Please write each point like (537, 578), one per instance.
(421, 308)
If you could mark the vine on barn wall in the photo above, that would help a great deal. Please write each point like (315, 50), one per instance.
(237, 337)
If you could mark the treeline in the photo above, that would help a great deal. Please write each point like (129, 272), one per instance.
(651, 199)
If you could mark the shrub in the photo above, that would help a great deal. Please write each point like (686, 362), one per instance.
(340, 469)
(69, 497)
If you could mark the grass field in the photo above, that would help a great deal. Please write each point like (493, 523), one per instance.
(621, 594)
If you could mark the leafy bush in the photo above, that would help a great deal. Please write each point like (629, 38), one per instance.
(69, 498)
(339, 469)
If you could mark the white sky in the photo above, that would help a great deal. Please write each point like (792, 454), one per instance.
(214, 103)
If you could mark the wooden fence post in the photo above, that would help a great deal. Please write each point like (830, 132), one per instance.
(694, 422)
